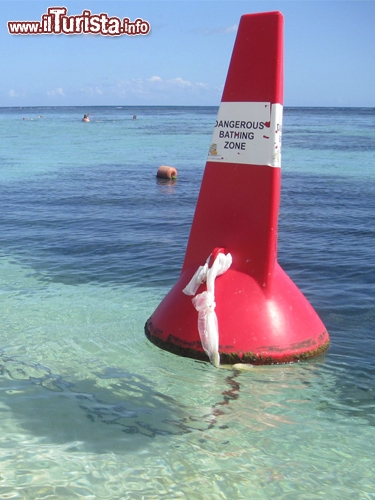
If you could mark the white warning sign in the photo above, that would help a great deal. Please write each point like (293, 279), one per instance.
(248, 132)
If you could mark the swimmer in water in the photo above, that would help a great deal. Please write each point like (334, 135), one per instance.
(86, 118)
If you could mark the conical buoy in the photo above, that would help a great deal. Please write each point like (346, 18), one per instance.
(233, 303)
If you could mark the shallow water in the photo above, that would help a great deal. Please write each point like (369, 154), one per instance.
(91, 242)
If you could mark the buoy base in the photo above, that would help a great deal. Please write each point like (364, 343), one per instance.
(176, 346)
(256, 326)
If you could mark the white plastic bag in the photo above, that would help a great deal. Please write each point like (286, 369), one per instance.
(205, 304)
(196, 281)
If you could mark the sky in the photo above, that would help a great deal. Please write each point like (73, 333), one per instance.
(329, 54)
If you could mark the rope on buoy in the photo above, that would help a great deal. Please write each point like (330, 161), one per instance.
(166, 172)
(217, 263)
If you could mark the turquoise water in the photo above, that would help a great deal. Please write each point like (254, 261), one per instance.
(91, 242)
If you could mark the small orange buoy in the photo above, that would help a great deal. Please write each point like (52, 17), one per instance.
(167, 172)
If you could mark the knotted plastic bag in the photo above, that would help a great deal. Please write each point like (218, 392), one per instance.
(205, 304)
(197, 280)
(208, 329)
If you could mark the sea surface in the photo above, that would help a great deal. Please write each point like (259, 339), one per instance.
(91, 242)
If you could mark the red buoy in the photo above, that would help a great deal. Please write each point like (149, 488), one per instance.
(255, 311)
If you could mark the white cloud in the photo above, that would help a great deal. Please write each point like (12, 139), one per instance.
(151, 90)
(57, 92)
(231, 29)
(171, 83)
(217, 31)
(91, 90)
(202, 85)
(159, 90)
(179, 82)
(14, 93)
